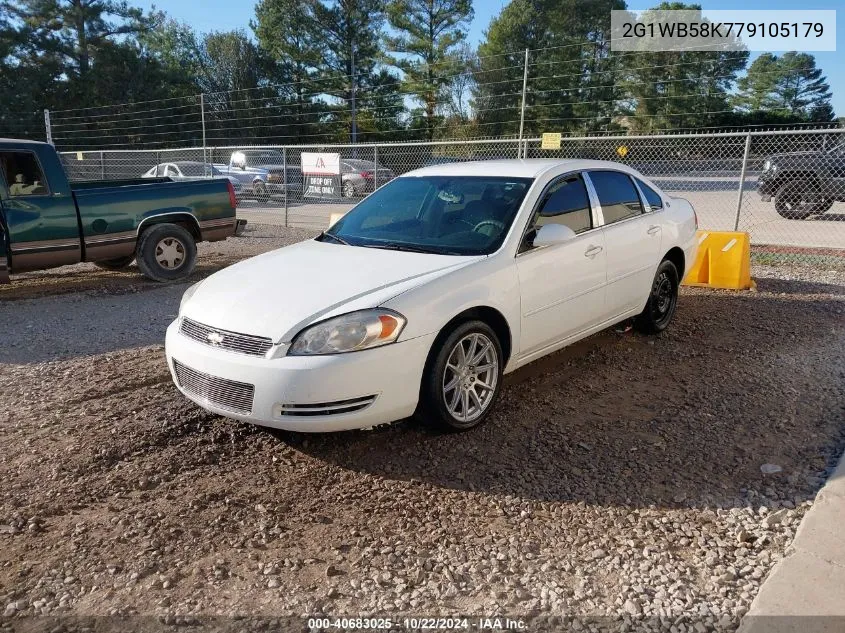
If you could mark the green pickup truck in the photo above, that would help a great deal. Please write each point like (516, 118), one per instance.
(46, 221)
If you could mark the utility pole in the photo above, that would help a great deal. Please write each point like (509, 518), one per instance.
(522, 109)
(47, 127)
(204, 152)
(354, 112)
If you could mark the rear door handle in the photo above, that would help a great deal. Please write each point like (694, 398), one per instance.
(653, 229)
(593, 251)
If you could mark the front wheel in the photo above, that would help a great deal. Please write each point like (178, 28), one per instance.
(166, 252)
(662, 301)
(464, 377)
(259, 190)
(796, 200)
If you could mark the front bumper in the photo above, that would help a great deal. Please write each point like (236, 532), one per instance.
(391, 373)
(765, 187)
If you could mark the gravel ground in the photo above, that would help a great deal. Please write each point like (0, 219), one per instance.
(619, 478)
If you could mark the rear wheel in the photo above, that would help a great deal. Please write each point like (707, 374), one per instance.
(166, 252)
(662, 300)
(118, 263)
(463, 378)
(348, 189)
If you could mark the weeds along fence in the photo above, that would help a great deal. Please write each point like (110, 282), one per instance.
(785, 188)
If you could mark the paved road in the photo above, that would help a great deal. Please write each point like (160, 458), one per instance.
(714, 199)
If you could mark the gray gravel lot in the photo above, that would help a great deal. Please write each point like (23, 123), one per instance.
(620, 477)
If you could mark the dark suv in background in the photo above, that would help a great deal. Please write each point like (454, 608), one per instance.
(804, 183)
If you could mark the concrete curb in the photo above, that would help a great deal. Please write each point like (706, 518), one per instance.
(806, 589)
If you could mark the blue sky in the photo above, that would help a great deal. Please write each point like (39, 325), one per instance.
(221, 15)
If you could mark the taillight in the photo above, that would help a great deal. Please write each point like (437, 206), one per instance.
(366, 175)
(233, 199)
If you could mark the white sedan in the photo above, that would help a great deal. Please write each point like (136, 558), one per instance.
(428, 291)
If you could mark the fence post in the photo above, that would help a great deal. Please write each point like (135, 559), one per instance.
(375, 167)
(285, 180)
(47, 128)
(522, 107)
(102, 166)
(202, 116)
(742, 180)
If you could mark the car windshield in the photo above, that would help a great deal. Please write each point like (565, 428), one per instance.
(266, 157)
(449, 215)
(360, 164)
(198, 169)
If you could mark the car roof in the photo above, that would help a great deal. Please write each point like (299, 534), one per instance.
(21, 141)
(515, 168)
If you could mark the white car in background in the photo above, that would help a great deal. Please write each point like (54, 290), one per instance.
(428, 291)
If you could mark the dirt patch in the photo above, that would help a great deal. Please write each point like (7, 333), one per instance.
(620, 477)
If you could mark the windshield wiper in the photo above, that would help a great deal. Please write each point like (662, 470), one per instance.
(410, 248)
(337, 239)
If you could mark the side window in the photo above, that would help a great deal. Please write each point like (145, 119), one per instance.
(566, 202)
(23, 174)
(171, 172)
(651, 196)
(617, 195)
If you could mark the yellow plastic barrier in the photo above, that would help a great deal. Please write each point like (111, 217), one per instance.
(723, 261)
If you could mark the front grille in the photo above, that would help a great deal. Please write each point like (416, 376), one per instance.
(224, 339)
(220, 392)
(328, 408)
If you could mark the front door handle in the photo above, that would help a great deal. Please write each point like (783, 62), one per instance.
(653, 229)
(593, 251)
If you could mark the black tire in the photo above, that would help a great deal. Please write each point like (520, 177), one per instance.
(433, 392)
(118, 263)
(162, 243)
(348, 189)
(795, 200)
(259, 190)
(662, 300)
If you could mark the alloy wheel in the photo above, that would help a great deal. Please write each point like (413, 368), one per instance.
(470, 377)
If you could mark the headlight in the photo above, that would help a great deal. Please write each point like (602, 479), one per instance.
(767, 165)
(188, 294)
(349, 333)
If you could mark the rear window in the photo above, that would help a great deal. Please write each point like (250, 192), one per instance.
(23, 174)
(651, 196)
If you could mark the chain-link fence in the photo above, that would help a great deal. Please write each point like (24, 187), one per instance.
(787, 189)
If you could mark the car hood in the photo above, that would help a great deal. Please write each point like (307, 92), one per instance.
(278, 293)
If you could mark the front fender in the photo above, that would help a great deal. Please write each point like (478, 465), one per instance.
(487, 283)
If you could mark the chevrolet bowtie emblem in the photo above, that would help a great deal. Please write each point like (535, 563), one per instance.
(214, 338)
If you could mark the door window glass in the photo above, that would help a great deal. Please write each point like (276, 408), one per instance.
(617, 195)
(23, 174)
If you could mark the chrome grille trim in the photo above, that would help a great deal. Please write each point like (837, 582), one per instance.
(327, 408)
(220, 392)
(232, 341)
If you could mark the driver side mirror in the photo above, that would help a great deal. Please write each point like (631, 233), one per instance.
(551, 234)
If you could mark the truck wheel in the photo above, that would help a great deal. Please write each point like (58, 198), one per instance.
(118, 263)
(166, 252)
(259, 190)
(794, 201)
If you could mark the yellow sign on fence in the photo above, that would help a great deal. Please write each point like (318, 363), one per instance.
(622, 150)
(551, 140)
